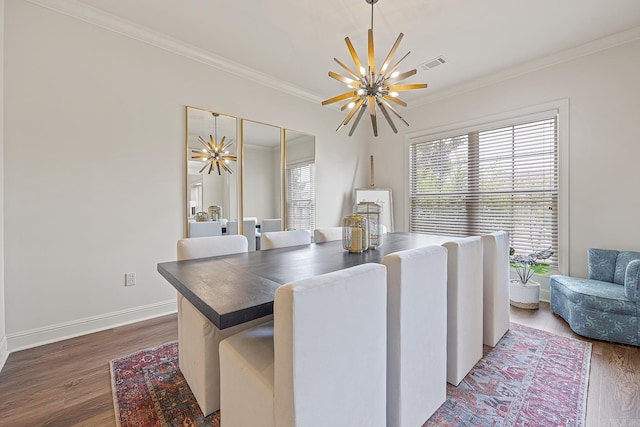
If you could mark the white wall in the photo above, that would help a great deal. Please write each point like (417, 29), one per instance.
(604, 142)
(3, 335)
(95, 168)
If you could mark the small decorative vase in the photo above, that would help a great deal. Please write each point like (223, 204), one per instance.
(524, 296)
(373, 212)
(355, 233)
(202, 216)
(214, 212)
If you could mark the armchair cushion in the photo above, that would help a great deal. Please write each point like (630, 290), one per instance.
(623, 260)
(602, 264)
(632, 281)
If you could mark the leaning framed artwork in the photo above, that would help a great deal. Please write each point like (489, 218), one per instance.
(381, 196)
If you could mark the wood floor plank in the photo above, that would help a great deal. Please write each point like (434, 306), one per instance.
(68, 383)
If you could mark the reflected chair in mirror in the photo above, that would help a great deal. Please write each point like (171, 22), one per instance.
(327, 234)
(198, 338)
(205, 229)
(416, 334)
(321, 362)
(249, 230)
(464, 306)
(495, 273)
(232, 226)
(274, 224)
(282, 239)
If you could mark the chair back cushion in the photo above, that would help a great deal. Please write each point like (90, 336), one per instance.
(327, 234)
(416, 355)
(282, 239)
(495, 271)
(249, 230)
(464, 306)
(330, 349)
(602, 264)
(203, 247)
(205, 229)
(622, 261)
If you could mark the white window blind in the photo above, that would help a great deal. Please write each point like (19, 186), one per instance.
(301, 196)
(483, 181)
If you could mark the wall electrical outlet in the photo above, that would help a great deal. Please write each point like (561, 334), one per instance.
(129, 279)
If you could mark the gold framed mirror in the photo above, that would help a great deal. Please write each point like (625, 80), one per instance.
(212, 180)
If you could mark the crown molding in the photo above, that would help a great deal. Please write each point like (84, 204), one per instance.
(532, 66)
(121, 26)
(129, 29)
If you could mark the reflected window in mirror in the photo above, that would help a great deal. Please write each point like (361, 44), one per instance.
(300, 196)
(211, 170)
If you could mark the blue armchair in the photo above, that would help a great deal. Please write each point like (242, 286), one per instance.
(606, 306)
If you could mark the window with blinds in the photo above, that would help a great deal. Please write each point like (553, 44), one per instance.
(301, 196)
(483, 181)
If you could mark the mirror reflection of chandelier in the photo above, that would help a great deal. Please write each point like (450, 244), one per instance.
(371, 90)
(215, 154)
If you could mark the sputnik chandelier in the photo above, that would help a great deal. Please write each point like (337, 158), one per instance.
(215, 155)
(370, 89)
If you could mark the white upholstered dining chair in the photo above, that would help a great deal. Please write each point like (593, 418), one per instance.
(249, 230)
(464, 306)
(327, 234)
(416, 334)
(321, 362)
(495, 247)
(198, 338)
(282, 239)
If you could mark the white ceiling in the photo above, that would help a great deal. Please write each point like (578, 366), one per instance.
(295, 41)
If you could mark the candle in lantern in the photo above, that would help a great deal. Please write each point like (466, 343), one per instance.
(356, 239)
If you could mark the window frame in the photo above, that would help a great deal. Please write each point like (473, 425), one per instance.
(533, 113)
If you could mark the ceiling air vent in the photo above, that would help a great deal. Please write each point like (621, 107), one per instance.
(433, 63)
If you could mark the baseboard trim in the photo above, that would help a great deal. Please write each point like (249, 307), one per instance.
(62, 331)
(4, 352)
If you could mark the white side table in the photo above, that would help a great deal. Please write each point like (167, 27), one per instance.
(524, 296)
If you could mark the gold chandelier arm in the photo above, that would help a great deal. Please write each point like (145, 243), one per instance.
(225, 167)
(340, 97)
(396, 100)
(351, 113)
(393, 110)
(385, 113)
(372, 112)
(346, 80)
(204, 167)
(395, 67)
(392, 52)
(354, 55)
(347, 69)
(357, 120)
(345, 106)
(218, 167)
(401, 76)
(203, 142)
(372, 61)
(404, 87)
(210, 167)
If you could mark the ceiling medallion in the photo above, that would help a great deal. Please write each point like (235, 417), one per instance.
(370, 89)
(215, 155)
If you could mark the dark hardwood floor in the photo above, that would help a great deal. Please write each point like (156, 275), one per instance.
(68, 383)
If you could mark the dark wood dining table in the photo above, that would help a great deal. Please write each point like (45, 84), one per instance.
(233, 289)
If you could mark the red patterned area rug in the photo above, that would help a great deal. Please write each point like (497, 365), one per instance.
(531, 378)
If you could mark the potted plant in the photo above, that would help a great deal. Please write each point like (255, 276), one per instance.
(524, 292)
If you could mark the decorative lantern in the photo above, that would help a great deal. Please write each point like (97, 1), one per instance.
(373, 212)
(355, 233)
(214, 212)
